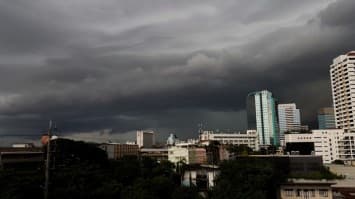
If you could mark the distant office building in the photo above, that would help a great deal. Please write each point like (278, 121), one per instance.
(145, 138)
(116, 151)
(342, 73)
(331, 144)
(261, 115)
(326, 119)
(249, 138)
(289, 118)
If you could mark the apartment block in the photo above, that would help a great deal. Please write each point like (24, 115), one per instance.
(342, 73)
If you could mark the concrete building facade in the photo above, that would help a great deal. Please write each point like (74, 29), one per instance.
(158, 154)
(331, 144)
(249, 138)
(342, 73)
(145, 139)
(289, 119)
(308, 189)
(116, 151)
(188, 155)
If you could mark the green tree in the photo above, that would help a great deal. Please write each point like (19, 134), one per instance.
(248, 178)
(240, 150)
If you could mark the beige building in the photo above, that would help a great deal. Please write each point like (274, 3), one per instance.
(306, 189)
(116, 151)
(188, 155)
(145, 139)
(342, 73)
(158, 154)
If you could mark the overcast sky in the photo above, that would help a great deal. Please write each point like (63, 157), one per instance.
(103, 69)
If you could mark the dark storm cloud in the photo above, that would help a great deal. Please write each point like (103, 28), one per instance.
(126, 65)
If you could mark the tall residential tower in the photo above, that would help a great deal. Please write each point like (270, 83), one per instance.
(261, 115)
(342, 73)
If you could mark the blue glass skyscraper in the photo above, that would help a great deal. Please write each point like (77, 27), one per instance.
(262, 116)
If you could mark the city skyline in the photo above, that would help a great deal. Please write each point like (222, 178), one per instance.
(115, 67)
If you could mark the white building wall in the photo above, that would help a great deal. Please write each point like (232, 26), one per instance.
(289, 119)
(178, 154)
(145, 139)
(342, 73)
(331, 144)
(249, 138)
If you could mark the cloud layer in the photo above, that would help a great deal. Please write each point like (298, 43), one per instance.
(166, 65)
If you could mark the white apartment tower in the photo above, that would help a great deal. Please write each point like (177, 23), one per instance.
(289, 118)
(342, 73)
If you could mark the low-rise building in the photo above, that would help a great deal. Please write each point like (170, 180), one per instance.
(290, 164)
(309, 189)
(116, 150)
(249, 138)
(158, 154)
(201, 176)
(331, 144)
(12, 159)
(23, 145)
(344, 188)
(188, 155)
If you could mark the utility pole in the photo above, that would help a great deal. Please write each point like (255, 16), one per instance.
(46, 183)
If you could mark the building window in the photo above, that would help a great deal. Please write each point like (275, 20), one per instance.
(323, 192)
(289, 192)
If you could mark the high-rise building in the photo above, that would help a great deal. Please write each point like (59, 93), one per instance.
(289, 118)
(145, 139)
(262, 116)
(342, 73)
(326, 118)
